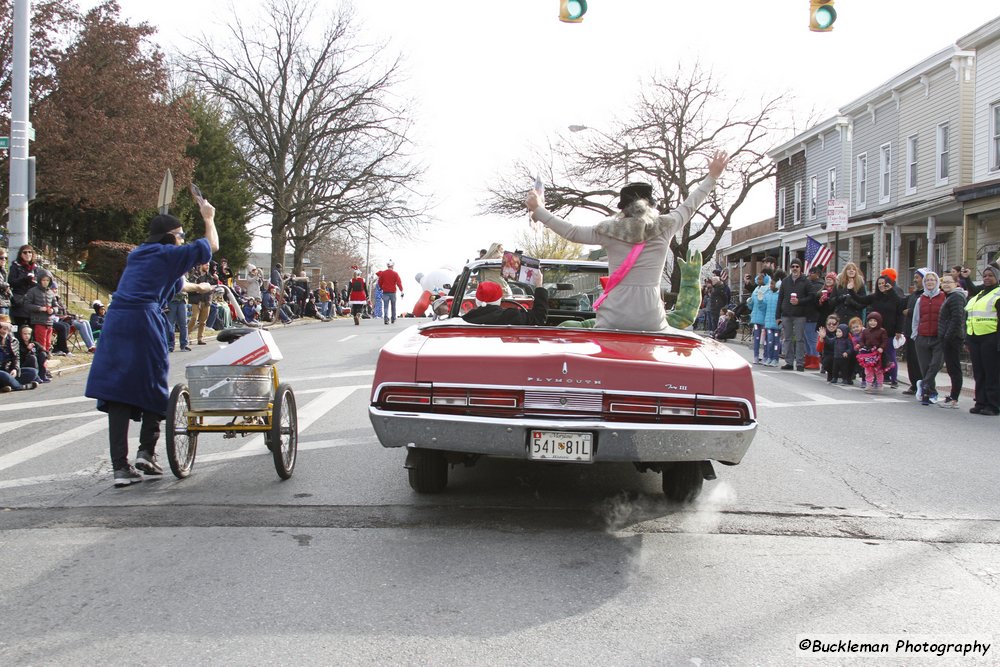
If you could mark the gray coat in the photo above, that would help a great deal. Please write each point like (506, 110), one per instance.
(635, 304)
(36, 301)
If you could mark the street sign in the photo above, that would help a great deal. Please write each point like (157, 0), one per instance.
(4, 143)
(836, 215)
(166, 193)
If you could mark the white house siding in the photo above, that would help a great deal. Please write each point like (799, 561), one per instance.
(869, 136)
(987, 94)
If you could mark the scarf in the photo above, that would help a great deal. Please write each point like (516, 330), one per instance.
(936, 290)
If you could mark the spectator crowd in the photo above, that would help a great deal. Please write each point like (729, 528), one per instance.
(36, 326)
(830, 322)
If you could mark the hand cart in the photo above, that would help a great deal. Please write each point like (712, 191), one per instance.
(253, 399)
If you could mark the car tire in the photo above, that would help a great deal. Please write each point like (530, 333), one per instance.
(427, 470)
(682, 481)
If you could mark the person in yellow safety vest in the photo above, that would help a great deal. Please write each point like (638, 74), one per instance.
(981, 327)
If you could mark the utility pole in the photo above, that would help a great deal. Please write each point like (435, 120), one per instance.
(19, 127)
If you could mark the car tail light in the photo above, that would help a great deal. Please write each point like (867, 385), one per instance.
(633, 405)
(722, 411)
(674, 410)
(404, 395)
(451, 400)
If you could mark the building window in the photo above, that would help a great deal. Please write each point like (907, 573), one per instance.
(797, 211)
(831, 184)
(911, 165)
(942, 154)
(813, 183)
(884, 172)
(781, 208)
(995, 129)
(862, 199)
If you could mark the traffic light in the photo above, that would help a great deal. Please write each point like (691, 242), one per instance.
(821, 15)
(572, 11)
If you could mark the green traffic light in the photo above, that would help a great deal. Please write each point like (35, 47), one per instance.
(576, 8)
(825, 16)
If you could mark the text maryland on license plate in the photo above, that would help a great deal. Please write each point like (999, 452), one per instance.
(561, 446)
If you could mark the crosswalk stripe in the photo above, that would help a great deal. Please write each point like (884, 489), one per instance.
(45, 404)
(315, 409)
(10, 426)
(52, 444)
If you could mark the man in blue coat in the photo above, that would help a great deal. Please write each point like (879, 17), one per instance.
(128, 376)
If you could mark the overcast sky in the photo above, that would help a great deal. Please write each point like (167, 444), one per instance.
(494, 79)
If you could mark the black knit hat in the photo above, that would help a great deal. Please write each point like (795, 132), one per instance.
(161, 224)
(634, 191)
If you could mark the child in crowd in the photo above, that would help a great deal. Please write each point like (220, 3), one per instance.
(874, 340)
(843, 355)
(728, 325)
(829, 344)
(856, 327)
(40, 303)
(34, 355)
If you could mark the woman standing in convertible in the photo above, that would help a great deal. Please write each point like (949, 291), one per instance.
(129, 374)
(637, 241)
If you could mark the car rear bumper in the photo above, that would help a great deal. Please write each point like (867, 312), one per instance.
(619, 442)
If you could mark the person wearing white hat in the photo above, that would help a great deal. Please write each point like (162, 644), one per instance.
(637, 242)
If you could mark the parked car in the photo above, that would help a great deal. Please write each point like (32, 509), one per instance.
(451, 392)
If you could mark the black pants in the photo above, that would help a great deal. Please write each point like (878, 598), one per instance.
(951, 350)
(119, 415)
(842, 368)
(913, 371)
(931, 359)
(985, 369)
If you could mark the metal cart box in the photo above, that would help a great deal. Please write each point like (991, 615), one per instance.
(238, 388)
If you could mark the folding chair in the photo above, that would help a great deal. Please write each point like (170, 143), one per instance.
(74, 341)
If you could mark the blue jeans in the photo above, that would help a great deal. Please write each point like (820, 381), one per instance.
(811, 336)
(758, 333)
(772, 344)
(83, 328)
(177, 317)
(8, 380)
(387, 298)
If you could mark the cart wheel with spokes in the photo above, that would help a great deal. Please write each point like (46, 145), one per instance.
(181, 444)
(283, 438)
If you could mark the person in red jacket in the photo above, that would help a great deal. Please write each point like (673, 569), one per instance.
(926, 313)
(389, 282)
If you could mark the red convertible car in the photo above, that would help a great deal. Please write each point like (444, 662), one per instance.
(451, 392)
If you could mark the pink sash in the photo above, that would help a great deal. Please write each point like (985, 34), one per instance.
(620, 272)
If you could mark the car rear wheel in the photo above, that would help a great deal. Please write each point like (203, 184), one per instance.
(427, 470)
(682, 481)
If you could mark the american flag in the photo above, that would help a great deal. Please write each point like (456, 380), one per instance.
(724, 275)
(816, 253)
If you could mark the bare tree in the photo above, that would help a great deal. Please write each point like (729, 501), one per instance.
(672, 129)
(320, 132)
(546, 243)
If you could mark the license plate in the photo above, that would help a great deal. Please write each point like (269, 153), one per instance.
(561, 446)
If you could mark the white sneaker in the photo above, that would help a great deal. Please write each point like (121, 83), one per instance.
(920, 386)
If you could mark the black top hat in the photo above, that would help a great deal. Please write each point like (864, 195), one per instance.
(160, 225)
(634, 191)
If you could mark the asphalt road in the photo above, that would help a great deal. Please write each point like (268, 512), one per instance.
(851, 517)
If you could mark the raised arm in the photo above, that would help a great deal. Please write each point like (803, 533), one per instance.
(208, 215)
(578, 234)
(671, 222)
